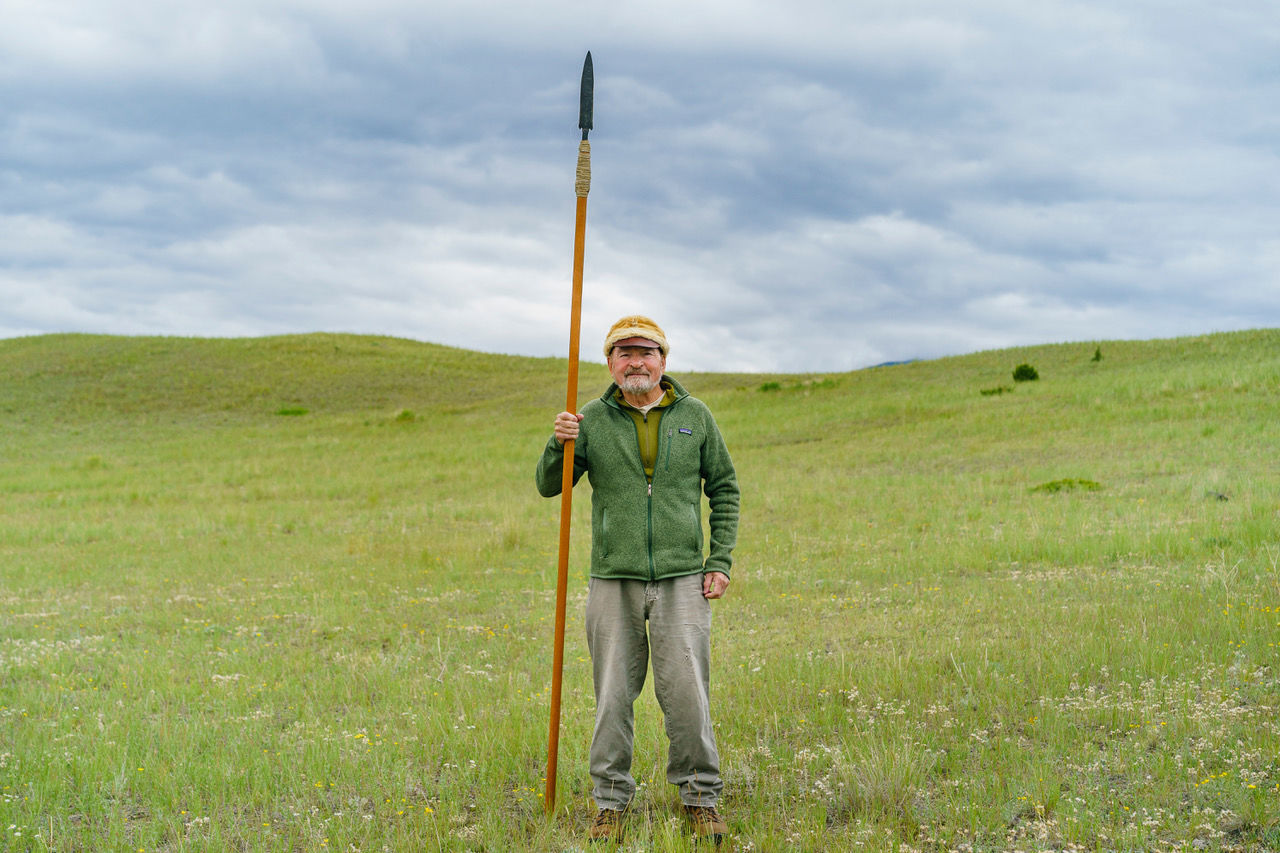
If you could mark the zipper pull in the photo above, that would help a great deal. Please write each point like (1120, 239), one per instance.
(651, 489)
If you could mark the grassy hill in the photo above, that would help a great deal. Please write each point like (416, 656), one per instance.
(295, 593)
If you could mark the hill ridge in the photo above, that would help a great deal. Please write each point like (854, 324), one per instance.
(78, 375)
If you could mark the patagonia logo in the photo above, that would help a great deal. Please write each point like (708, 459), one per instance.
(686, 430)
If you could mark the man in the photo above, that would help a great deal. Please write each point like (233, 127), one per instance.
(650, 451)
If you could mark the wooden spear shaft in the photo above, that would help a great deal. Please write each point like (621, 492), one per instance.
(582, 187)
(566, 512)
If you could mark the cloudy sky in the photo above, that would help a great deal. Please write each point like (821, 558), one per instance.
(793, 186)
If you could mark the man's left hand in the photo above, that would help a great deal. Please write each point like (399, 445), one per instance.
(714, 584)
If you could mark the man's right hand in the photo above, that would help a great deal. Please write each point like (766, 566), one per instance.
(566, 428)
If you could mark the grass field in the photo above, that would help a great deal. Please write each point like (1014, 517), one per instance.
(296, 593)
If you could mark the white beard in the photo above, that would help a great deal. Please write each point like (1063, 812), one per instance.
(638, 384)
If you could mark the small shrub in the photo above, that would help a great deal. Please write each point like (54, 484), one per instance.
(771, 386)
(880, 779)
(999, 389)
(1067, 484)
(1025, 373)
(1097, 354)
(405, 416)
(291, 412)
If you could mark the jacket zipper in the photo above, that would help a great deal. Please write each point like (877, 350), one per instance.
(649, 512)
(653, 574)
(653, 571)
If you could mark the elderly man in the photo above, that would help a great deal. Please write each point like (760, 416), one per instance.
(650, 450)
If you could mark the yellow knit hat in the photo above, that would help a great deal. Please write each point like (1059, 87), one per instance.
(635, 326)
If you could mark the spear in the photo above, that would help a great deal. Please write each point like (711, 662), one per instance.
(582, 186)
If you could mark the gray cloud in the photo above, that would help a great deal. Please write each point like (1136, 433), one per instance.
(819, 186)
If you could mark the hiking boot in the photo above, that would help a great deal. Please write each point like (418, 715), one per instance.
(706, 823)
(607, 826)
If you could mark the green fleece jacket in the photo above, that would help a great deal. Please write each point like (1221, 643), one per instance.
(645, 529)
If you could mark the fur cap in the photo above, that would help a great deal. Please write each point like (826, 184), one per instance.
(635, 326)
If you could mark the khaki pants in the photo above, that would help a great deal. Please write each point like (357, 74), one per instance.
(678, 642)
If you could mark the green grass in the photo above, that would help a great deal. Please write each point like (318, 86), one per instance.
(296, 593)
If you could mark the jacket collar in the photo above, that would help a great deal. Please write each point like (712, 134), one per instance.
(675, 391)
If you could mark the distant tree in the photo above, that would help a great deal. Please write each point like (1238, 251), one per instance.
(1097, 354)
(1025, 373)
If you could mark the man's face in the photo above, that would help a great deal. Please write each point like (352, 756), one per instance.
(637, 369)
